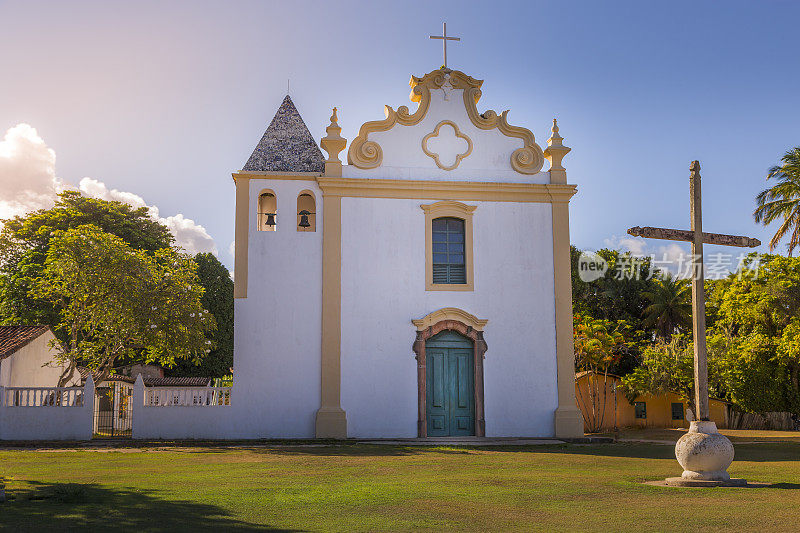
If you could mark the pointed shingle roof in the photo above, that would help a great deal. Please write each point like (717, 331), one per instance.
(287, 145)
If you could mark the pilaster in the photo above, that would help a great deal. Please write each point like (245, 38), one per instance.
(331, 420)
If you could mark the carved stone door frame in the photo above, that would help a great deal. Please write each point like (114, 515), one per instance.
(453, 319)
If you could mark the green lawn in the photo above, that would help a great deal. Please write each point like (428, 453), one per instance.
(377, 488)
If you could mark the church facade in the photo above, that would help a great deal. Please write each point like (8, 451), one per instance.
(420, 290)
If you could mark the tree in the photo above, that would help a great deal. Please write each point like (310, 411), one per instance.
(119, 305)
(665, 367)
(597, 347)
(757, 333)
(218, 299)
(670, 306)
(782, 200)
(616, 296)
(25, 242)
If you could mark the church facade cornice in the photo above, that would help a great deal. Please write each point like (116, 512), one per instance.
(366, 153)
(447, 190)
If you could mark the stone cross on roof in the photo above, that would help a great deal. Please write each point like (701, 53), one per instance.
(444, 39)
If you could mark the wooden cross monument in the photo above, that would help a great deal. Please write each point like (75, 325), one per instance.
(444, 39)
(696, 236)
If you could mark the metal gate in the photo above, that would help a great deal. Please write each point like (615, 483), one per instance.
(112, 412)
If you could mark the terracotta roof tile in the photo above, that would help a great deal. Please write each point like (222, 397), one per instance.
(13, 338)
(152, 382)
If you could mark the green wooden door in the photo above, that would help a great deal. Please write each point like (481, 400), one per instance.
(450, 383)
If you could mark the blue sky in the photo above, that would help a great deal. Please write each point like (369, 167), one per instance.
(165, 99)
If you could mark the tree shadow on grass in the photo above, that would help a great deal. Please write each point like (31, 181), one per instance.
(42, 506)
(776, 452)
(340, 450)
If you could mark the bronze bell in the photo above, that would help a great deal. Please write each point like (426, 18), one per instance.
(304, 223)
(270, 219)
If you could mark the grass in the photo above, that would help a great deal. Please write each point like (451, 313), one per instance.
(376, 488)
(735, 435)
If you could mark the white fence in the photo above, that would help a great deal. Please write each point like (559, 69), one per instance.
(69, 413)
(42, 397)
(181, 412)
(47, 413)
(187, 397)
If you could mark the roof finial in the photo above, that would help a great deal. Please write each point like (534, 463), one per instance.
(554, 153)
(287, 86)
(333, 143)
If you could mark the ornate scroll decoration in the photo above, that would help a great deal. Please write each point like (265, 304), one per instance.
(435, 156)
(526, 160)
(364, 153)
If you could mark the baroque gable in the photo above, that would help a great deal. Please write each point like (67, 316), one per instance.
(446, 135)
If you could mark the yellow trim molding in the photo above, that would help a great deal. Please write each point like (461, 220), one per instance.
(275, 175)
(364, 153)
(435, 133)
(449, 208)
(526, 160)
(447, 190)
(450, 313)
(241, 236)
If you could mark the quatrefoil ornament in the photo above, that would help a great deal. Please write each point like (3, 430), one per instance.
(448, 145)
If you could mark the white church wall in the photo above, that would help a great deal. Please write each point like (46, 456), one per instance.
(277, 327)
(383, 289)
(404, 158)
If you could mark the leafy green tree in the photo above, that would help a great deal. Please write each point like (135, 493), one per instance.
(748, 374)
(598, 346)
(758, 331)
(670, 306)
(665, 367)
(617, 296)
(782, 200)
(25, 242)
(118, 305)
(218, 299)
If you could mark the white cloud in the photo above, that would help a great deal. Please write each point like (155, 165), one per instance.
(27, 172)
(28, 182)
(190, 235)
(669, 256)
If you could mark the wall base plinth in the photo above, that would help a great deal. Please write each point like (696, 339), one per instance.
(331, 423)
(568, 422)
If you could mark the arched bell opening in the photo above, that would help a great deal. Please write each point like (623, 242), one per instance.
(267, 211)
(306, 212)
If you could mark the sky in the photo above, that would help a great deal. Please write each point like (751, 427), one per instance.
(156, 103)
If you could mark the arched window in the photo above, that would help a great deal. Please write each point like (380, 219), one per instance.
(267, 211)
(306, 212)
(449, 258)
(448, 246)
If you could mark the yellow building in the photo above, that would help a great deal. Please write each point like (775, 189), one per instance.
(661, 411)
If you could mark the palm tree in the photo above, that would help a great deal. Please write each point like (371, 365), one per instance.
(782, 200)
(670, 305)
